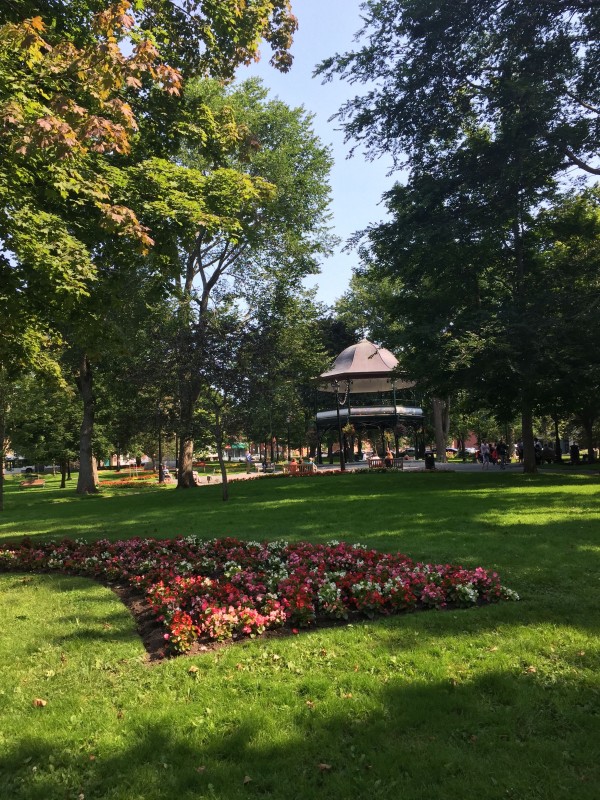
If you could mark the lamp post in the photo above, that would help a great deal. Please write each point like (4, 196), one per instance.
(288, 420)
(339, 403)
(161, 474)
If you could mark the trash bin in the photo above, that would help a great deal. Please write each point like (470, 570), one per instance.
(429, 461)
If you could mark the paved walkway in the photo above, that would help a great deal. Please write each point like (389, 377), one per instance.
(455, 466)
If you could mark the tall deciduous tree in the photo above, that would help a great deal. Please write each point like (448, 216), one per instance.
(230, 214)
(438, 70)
(65, 121)
(487, 102)
(69, 98)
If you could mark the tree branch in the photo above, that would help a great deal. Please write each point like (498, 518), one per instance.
(581, 164)
(582, 103)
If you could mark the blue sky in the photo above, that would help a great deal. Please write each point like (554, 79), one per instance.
(327, 27)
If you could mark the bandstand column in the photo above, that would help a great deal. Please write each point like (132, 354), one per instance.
(340, 439)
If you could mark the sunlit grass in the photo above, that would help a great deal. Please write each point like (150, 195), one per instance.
(493, 702)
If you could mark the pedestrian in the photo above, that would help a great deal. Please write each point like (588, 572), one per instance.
(389, 458)
(574, 453)
(502, 450)
(249, 462)
(485, 455)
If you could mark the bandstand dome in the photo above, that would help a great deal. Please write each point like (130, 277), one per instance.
(367, 368)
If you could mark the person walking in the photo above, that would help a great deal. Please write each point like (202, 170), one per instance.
(389, 459)
(485, 455)
(502, 450)
(520, 452)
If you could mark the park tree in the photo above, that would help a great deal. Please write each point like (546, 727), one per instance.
(65, 121)
(437, 71)
(75, 79)
(197, 37)
(230, 216)
(26, 344)
(569, 241)
(43, 420)
(487, 103)
(289, 352)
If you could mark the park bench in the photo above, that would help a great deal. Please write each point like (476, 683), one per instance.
(407, 466)
(299, 469)
(398, 463)
(307, 469)
(375, 462)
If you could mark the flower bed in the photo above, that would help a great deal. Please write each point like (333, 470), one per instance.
(131, 481)
(223, 589)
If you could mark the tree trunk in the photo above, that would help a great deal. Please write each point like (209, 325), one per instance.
(557, 447)
(63, 473)
(2, 451)
(185, 477)
(588, 427)
(529, 465)
(440, 422)
(219, 438)
(88, 473)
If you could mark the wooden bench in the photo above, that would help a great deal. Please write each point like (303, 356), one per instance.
(299, 469)
(407, 466)
(398, 463)
(307, 469)
(33, 482)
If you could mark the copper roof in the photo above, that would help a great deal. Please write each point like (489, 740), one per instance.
(364, 364)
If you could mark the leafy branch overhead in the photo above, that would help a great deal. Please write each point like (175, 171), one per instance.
(443, 71)
(69, 109)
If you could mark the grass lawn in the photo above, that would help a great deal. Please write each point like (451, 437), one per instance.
(500, 701)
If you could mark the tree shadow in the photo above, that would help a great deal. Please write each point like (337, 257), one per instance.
(504, 734)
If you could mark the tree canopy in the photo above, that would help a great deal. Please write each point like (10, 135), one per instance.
(438, 72)
(490, 105)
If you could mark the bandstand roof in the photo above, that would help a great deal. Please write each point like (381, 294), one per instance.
(366, 366)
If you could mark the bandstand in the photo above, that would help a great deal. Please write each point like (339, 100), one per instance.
(368, 399)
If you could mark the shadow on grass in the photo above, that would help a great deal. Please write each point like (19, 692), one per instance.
(352, 507)
(504, 734)
(540, 533)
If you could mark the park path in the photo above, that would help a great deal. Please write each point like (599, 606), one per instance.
(210, 479)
